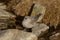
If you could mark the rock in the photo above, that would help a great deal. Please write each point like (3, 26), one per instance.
(52, 14)
(38, 8)
(19, 27)
(55, 36)
(11, 3)
(2, 6)
(14, 34)
(40, 29)
(5, 18)
(42, 38)
(5, 14)
(20, 7)
(23, 7)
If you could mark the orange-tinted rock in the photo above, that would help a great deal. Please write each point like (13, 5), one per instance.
(52, 14)
(21, 7)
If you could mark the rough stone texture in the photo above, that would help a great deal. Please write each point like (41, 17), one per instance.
(55, 36)
(40, 29)
(14, 34)
(2, 6)
(23, 7)
(52, 15)
(20, 7)
(11, 4)
(5, 18)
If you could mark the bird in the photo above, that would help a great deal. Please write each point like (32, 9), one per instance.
(28, 21)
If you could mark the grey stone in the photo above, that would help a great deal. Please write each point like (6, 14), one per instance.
(14, 34)
(40, 29)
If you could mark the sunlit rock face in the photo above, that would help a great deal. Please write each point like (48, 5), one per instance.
(14, 34)
(5, 18)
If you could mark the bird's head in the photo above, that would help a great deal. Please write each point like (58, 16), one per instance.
(28, 21)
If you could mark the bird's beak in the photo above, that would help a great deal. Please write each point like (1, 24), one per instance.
(37, 16)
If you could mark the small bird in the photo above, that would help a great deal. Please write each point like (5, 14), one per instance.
(29, 22)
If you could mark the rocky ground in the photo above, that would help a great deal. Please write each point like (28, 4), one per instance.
(29, 20)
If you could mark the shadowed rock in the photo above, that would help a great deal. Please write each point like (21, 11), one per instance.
(5, 18)
(55, 36)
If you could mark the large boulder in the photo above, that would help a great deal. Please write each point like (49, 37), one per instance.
(14, 34)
